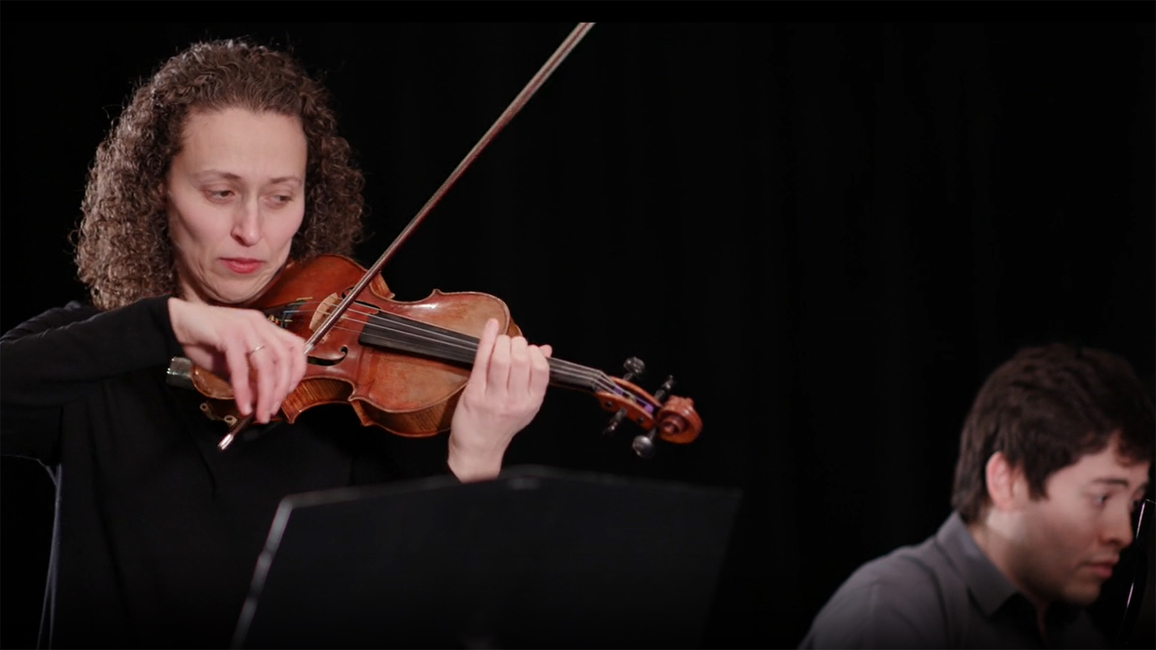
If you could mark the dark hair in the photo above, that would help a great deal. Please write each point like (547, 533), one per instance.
(1044, 409)
(123, 252)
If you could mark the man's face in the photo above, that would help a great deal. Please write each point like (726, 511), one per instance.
(1068, 542)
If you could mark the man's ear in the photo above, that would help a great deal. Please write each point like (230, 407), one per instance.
(1002, 482)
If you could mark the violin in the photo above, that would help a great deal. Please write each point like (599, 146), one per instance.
(401, 366)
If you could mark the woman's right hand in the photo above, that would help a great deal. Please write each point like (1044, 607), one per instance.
(262, 362)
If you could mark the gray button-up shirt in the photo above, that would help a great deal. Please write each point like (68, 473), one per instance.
(943, 593)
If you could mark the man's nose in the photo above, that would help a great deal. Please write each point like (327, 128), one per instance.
(1118, 528)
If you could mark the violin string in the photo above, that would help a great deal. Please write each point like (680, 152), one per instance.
(458, 351)
(444, 333)
(462, 346)
(439, 335)
(466, 346)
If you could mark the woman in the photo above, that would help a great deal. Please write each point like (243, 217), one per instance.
(224, 167)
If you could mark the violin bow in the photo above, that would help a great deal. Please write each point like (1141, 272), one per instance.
(513, 109)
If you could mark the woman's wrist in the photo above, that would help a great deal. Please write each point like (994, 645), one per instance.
(472, 464)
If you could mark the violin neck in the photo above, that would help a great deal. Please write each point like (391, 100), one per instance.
(566, 374)
(390, 332)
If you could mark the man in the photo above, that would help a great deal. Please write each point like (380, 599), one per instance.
(1056, 450)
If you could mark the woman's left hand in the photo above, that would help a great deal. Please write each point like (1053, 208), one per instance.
(503, 394)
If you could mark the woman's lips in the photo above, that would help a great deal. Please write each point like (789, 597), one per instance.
(241, 265)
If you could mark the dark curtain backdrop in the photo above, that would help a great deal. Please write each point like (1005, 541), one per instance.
(829, 234)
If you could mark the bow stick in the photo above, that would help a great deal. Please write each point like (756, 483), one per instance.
(515, 106)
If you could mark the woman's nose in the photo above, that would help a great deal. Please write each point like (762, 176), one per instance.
(247, 223)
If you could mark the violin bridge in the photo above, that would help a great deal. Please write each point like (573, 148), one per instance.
(323, 310)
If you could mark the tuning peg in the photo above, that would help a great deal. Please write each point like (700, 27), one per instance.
(614, 422)
(660, 394)
(634, 368)
(643, 445)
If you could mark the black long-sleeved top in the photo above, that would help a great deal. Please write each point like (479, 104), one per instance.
(157, 531)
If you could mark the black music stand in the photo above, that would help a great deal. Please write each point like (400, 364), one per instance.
(536, 558)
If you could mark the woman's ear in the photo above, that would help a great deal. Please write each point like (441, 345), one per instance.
(161, 197)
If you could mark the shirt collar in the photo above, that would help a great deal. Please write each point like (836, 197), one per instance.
(987, 584)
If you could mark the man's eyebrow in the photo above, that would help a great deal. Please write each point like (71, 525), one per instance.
(1112, 481)
(1141, 487)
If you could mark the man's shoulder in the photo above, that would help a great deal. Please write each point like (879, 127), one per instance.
(909, 577)
(898, 600)
(911, 566)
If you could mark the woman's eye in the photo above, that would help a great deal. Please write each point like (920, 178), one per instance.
(1100, 499)
(219, 194)
(281, 199)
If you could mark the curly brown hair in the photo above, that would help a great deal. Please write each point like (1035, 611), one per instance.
(123, 251)
(1044, 409)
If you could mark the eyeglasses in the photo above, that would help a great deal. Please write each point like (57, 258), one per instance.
(1141, 514)
(1140, 509)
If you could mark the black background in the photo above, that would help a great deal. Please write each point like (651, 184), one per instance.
(829, 234)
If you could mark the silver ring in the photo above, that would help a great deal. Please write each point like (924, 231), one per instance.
(251, 352)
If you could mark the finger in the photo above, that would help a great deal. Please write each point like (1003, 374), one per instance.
(290, 364)
(238, 366)
(263, 373)
(485, 350)
(295, 357)
(540, 370)
(519, 380)
(547, 350)
(284, 368)
(298, 362)
(498, 377)
(262, 360)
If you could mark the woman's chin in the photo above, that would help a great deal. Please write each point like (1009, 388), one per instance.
(233, 296)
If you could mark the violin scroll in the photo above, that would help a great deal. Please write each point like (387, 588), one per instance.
(672, 419)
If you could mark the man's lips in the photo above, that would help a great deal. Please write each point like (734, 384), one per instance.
(243, 265)
(1103, 569)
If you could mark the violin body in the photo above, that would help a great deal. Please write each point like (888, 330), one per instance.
(402, 392)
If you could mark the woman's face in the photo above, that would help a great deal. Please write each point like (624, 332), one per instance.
(236, 196)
